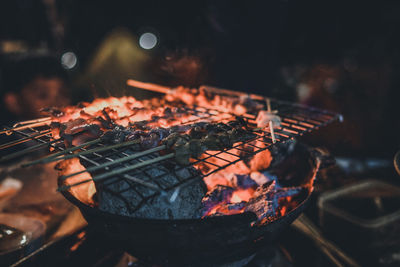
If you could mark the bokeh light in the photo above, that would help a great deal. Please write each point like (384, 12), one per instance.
(69, 60)
(148, 40)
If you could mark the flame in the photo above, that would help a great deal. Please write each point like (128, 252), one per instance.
(242, 195)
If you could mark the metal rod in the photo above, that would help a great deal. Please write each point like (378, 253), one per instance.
(271, 126)
(121, 171)
(53, 146)
(86, 152)
(132, 167)
(120, 160)
(9, 131)
(27, 150)
(97, 149)
(133, 156)
(23, 140)
(53, 157)
(31, 121)
(150, 86)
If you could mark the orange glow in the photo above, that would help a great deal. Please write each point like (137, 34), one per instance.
(242, 195)
(84, 191)
(127, 110)
(81, 236)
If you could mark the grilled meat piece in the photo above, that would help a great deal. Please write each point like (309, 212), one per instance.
(205, 136)
(141, 125)
(117, 135)
(206, 98)
(74, 126)
(76, 132)
(209, 136)
(264, 117)
(187, 141)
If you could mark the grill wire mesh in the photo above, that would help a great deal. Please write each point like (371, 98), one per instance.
(296, 121)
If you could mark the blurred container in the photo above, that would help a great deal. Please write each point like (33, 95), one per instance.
(19, 236)
(363, 218)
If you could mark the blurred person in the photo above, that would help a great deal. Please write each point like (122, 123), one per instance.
(31, 84)
(28, 85)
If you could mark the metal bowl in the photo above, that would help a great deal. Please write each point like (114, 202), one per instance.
(194, 240)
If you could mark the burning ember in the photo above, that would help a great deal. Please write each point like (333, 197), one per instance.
(199, 129)
(249, 187)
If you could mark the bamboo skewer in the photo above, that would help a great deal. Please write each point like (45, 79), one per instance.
(271, 126)
(51, 157)
(23, 127)
(27, 150)
(120, 160)
(332, 257)
(26, 124)
(132, 167)
(117, 161)
(167, 90)
(31, 121)
(23, 140)
(101, 149)
(150, 86)
(121, 171)
(86, 152)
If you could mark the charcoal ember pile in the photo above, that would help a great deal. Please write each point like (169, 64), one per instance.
(191, 153)
(185, 203)
(259, 192)
(244, 188)
(265, 197)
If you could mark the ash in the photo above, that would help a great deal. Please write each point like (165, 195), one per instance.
(118, 197)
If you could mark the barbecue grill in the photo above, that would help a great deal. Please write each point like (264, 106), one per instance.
(211, 235)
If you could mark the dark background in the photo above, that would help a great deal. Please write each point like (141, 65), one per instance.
(342, 56)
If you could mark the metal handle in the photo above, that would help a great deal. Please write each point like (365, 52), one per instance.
(396, 162)
(332, 251)
(326, 159)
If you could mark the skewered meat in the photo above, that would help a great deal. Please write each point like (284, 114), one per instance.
(264, 117)
(187, 142)
(117, 135)
(209, 136)
(74, 126)
(76, 132)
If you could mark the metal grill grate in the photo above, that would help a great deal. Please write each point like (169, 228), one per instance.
(296, 120)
